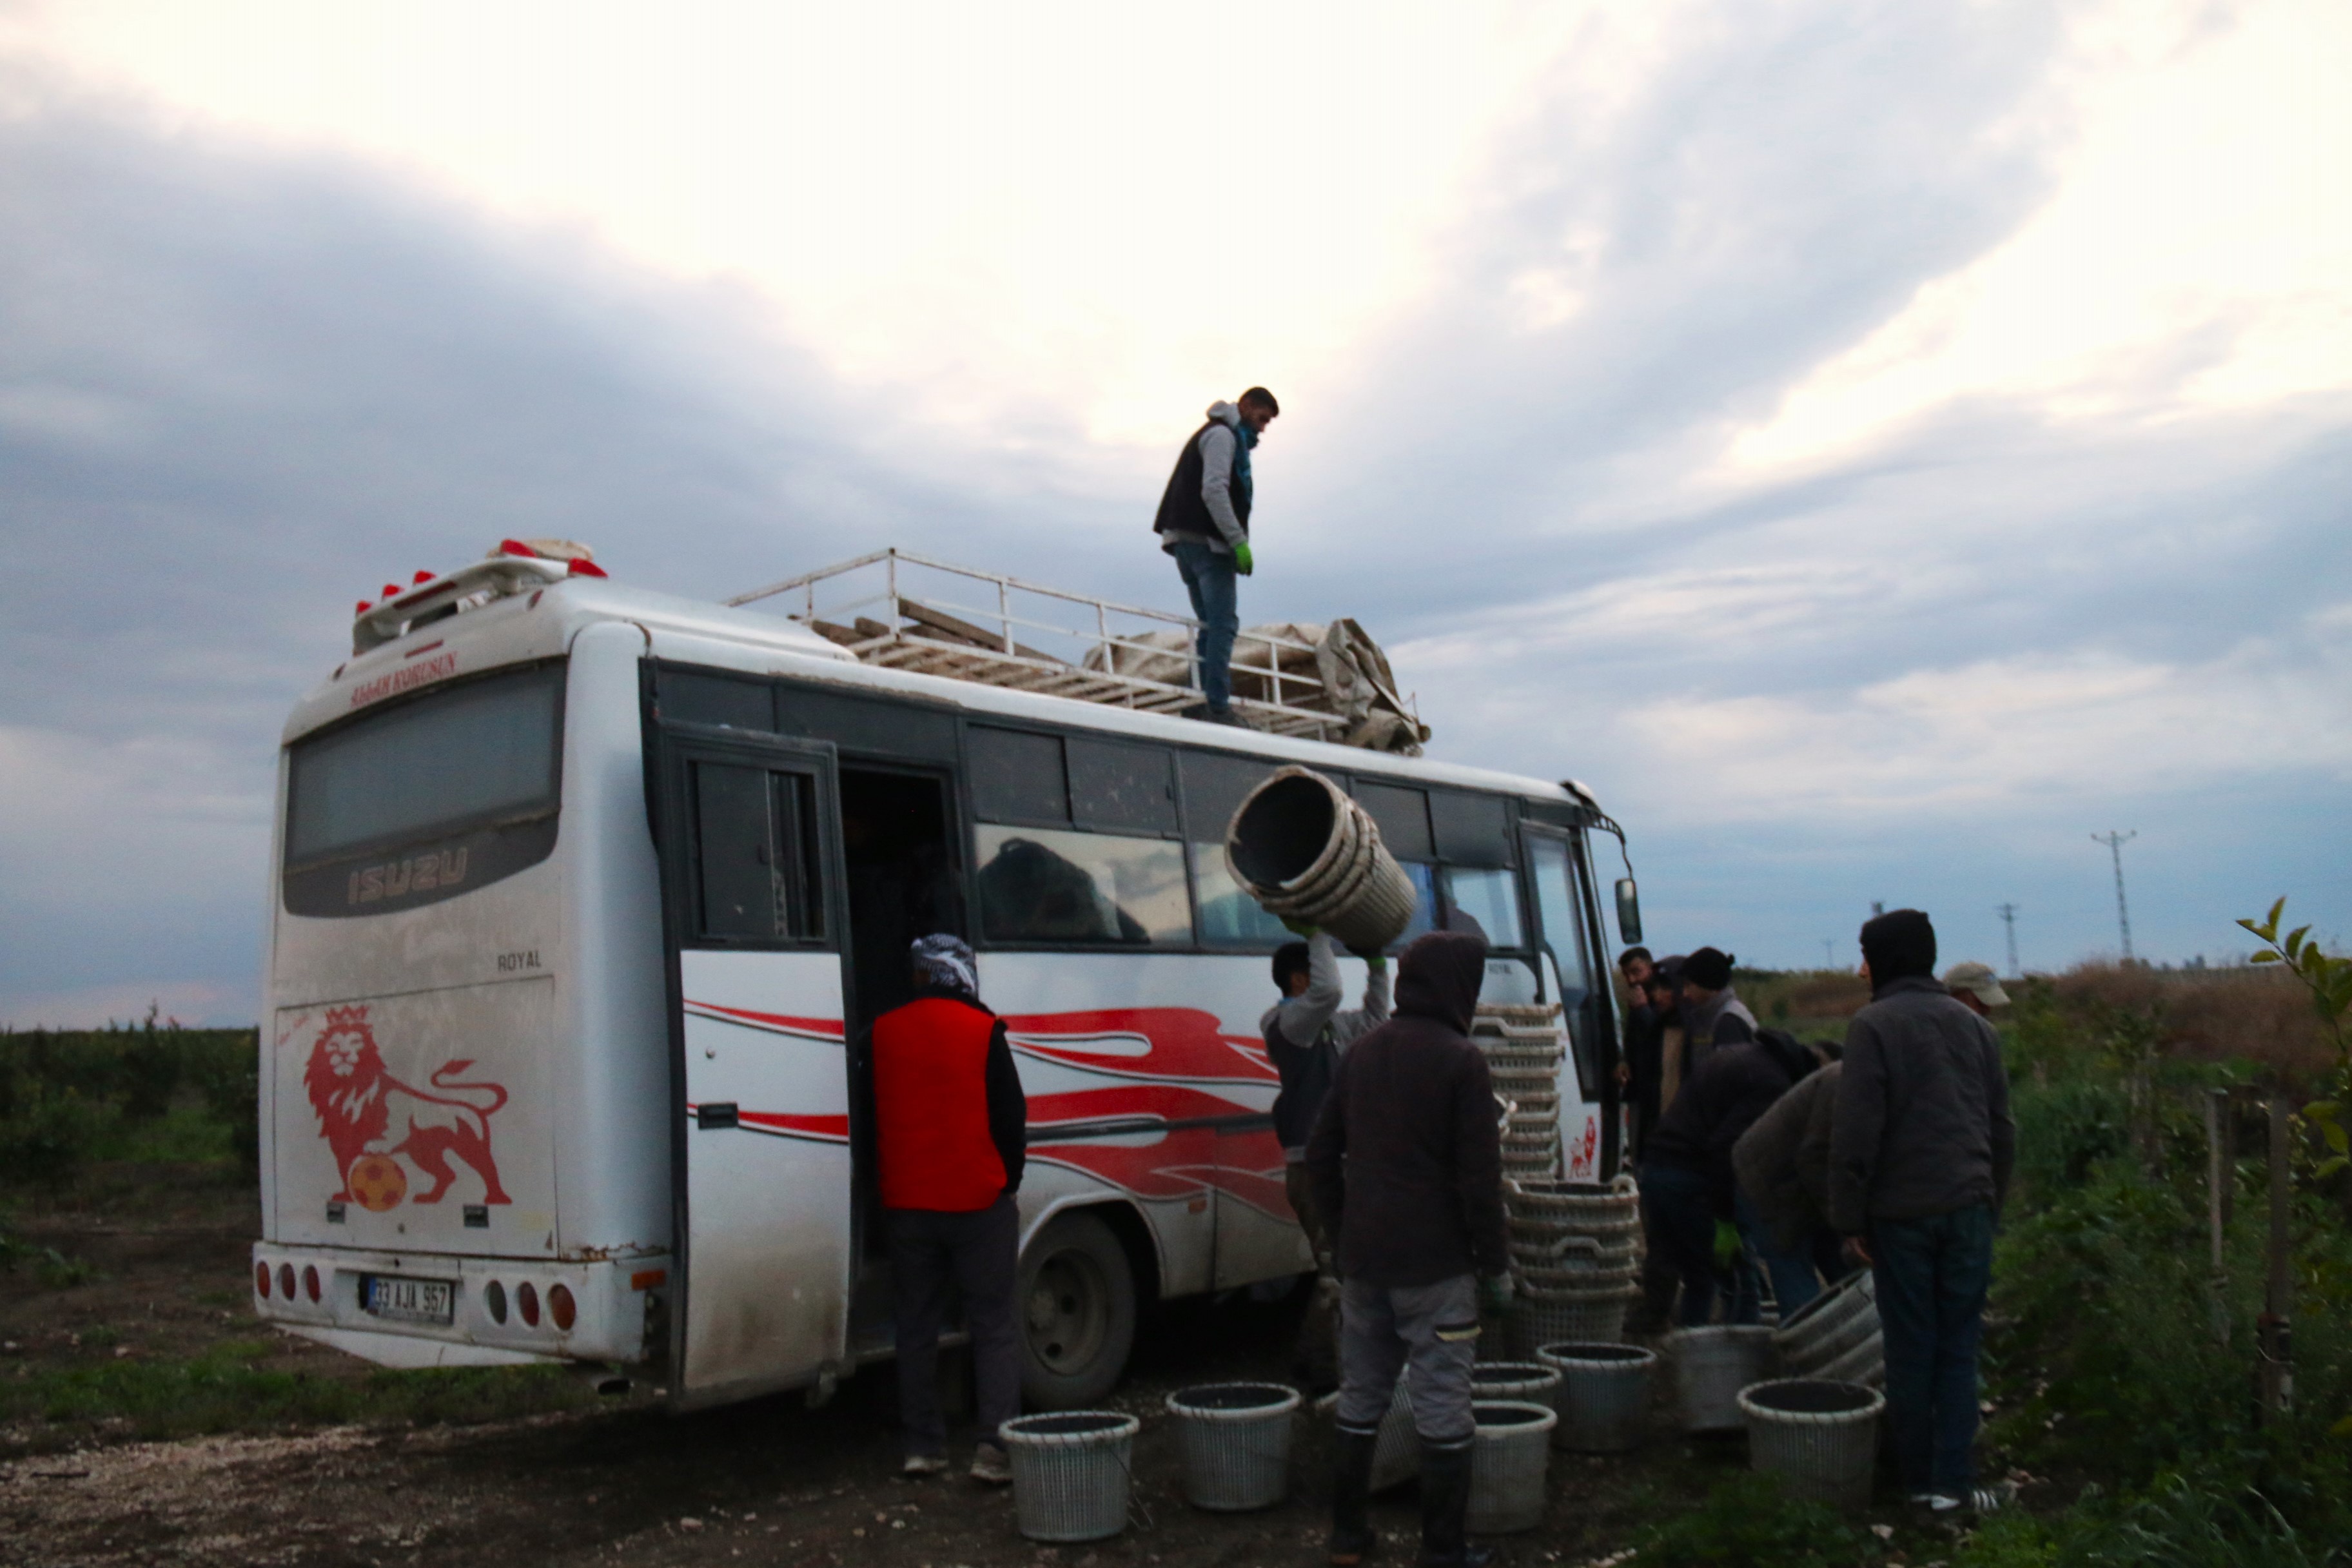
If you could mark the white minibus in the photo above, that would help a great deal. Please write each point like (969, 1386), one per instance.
(583, 894)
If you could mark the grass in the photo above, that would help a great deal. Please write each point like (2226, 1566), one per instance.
(226, 1390)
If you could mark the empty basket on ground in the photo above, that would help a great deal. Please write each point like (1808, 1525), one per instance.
(1821, 1438)
(1604, 1393)
(1307, 852)
(1514, 1380)
(1235, 1439)
(1507, 1458)
(1836, 1334)
(1071, 1473)
(1711, 1366)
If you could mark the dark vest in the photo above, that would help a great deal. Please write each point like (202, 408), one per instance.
(1306, 1074)
(1181, 508)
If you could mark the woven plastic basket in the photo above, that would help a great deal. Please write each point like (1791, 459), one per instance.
(1540, 1317)
(1711, 1366)
(1072, 1471)
(1604, 1393)
(1507, 1460)
(1819, 1437)
(1530, 1380)
(1235, 1440)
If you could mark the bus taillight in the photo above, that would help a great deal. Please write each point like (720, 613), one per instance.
(527, 1303)
(559, 1309)
(261, 1279)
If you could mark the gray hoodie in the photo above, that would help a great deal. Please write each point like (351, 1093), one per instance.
(1216, 480)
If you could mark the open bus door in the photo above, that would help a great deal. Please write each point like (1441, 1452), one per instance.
(1570, 941)
(754, 923)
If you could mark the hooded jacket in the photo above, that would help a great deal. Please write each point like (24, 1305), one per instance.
(1406, 1160)
(1724, 1099)
(1923, 1125)
(1784, 1162)
(1207, 501)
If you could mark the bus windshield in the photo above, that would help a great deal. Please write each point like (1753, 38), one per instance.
(488, 752)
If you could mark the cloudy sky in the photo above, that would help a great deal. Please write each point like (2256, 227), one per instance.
(1876, 447)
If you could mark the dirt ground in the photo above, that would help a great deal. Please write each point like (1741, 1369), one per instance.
(771, 1482)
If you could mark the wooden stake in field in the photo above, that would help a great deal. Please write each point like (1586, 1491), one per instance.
(2275, 1343)
(2216, 1185)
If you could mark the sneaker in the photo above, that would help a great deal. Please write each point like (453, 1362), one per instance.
(1976, 1500)
(1226, 716)
(990, 1467)
(917, 1466)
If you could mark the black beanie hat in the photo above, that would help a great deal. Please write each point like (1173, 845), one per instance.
(1709, 969)
(1898, 944)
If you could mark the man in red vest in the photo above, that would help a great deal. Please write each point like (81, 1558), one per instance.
(951, 1125)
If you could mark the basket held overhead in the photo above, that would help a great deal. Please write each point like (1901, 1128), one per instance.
(1307, 852)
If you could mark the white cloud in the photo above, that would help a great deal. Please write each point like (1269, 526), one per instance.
(2196, 253)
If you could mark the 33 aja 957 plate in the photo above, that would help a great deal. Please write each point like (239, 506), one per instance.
(409, 1301)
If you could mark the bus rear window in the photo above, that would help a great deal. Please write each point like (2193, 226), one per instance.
(478, 754)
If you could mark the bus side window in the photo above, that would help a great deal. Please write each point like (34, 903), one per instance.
(754, 855)
(1043, 885)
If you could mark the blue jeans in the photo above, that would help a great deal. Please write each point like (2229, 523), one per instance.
(1210, 578)
(1678, 1212)
(1932, 1275)
(1792, 1273)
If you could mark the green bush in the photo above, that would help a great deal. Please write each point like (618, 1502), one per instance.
(44, 1142)
(1749, 1521)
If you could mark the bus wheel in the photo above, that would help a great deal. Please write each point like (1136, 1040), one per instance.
(1078, 1313)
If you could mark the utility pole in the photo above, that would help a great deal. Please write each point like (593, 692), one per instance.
(2115, 842)
(2009, 918)
(1829, 959)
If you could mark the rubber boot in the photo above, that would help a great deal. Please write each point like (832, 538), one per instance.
(1352, 1496)
(1445, 1507)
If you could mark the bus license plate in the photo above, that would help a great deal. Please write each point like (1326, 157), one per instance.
(410, 1300)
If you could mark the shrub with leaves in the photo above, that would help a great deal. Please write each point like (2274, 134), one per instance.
(1749, 1521)
(2329, 980)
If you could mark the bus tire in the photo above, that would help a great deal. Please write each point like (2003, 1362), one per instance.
(1076, 1306)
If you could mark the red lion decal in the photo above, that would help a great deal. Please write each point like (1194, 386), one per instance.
(361, 1105)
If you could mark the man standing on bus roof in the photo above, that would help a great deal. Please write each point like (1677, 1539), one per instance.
(951, 1125)
(1305, 1033)
(1407, 1165)
(1203, 522)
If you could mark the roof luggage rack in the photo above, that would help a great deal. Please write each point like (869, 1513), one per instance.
(910, 611)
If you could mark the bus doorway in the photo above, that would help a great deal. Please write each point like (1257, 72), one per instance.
(901, 866)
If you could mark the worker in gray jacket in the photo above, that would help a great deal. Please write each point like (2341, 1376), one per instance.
(1203, 522)
(1921, 1148)
(1305, 1033)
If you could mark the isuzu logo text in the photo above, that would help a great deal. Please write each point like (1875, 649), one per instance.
(403, 679)
(398, 879)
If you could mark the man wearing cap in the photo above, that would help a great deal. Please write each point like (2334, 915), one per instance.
(1921, 1147)
(1976, 987)
(951, 1125)
(1712, 1014)
(1304, 1034)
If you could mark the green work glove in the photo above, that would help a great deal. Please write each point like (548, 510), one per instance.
(1243, 561)
(1727, 1244)
(1296, 928)
(1494, 1292)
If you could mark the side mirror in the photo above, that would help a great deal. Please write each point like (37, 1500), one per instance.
(1629, 911)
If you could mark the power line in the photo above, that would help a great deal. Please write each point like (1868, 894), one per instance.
(2009, 918)
(2115, 842)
